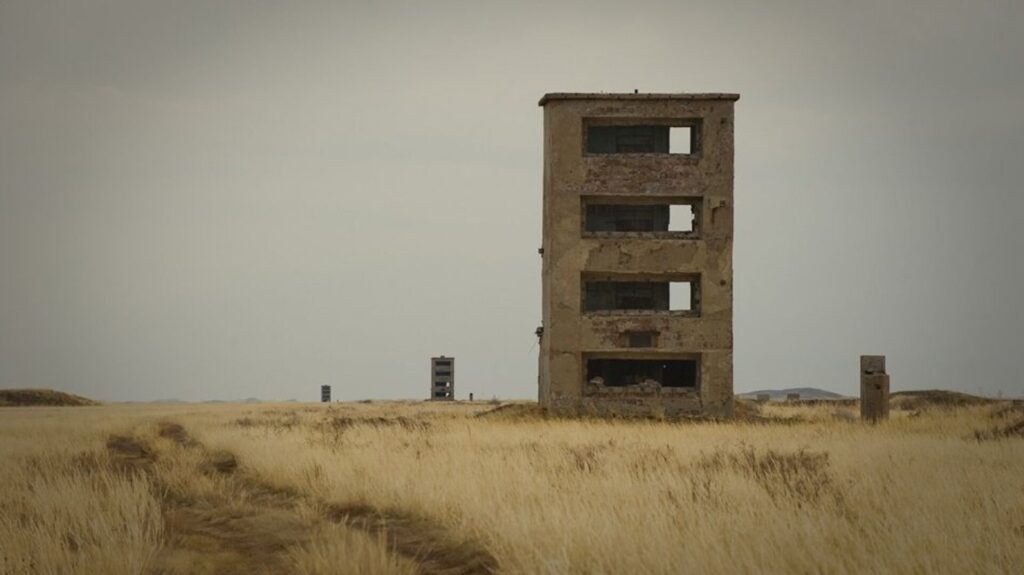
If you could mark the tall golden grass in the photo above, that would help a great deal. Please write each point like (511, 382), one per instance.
(804, 489)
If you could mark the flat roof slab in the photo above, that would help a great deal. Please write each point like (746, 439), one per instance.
(635, 96)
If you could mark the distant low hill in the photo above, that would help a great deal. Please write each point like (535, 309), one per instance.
(939, 397)
(28, 397)
(900, 399)
(805, 393)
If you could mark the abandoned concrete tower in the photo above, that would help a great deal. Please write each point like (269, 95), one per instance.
(637, 252)
(442, 378)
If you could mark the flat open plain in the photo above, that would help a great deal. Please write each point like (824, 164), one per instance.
(405, 487)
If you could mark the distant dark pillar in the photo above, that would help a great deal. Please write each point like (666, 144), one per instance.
(471, 397)
(874, 388)
(325, 393)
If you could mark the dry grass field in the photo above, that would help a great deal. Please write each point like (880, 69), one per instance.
(464, 488)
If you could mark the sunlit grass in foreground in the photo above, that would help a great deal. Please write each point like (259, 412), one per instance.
(792, 489)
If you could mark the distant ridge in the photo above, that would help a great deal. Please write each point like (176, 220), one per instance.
(805, 393)
(30, 397)
(921, 397)
(940, 397)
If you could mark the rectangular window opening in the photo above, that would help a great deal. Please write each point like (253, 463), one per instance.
(639, 296)
(641, 339)
(680, 296)
(630, 372)
(646, 217)
(681, 218)
(659, 138)
(680, 140)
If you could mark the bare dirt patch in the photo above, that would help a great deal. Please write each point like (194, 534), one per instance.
(176, 433)
(229, 540)
(129, 454)
(234, 532)
(426, 542)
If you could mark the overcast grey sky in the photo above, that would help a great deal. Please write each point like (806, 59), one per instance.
(204, 199)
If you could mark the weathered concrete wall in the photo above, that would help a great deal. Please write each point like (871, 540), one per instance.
(572, 176)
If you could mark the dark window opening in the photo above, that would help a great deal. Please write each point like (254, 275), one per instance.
(442, 362)
(625, 372)
(442, 372)
(640, 139)
(638, 295)
(640, 339)
(639, 218)
(627, 139)
(441, 394)
(624, 218)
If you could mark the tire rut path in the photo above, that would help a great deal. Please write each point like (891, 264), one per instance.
(251, 531)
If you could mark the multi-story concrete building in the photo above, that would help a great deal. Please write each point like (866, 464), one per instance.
(442, 378)
(637, 254)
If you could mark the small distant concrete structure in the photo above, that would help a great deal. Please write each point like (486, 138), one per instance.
(442, 378)
(471, 397)
(764, 397)
(325, 394)
(874, 388)
(792, 397)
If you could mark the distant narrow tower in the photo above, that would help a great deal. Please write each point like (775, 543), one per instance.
(442, 378)
(637, 276)
(325, 393)
(874, 388)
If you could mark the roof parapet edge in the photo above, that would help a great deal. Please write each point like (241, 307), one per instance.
(636, 96)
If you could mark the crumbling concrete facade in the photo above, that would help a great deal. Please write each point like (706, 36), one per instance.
(442, 378)
(637, 254)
